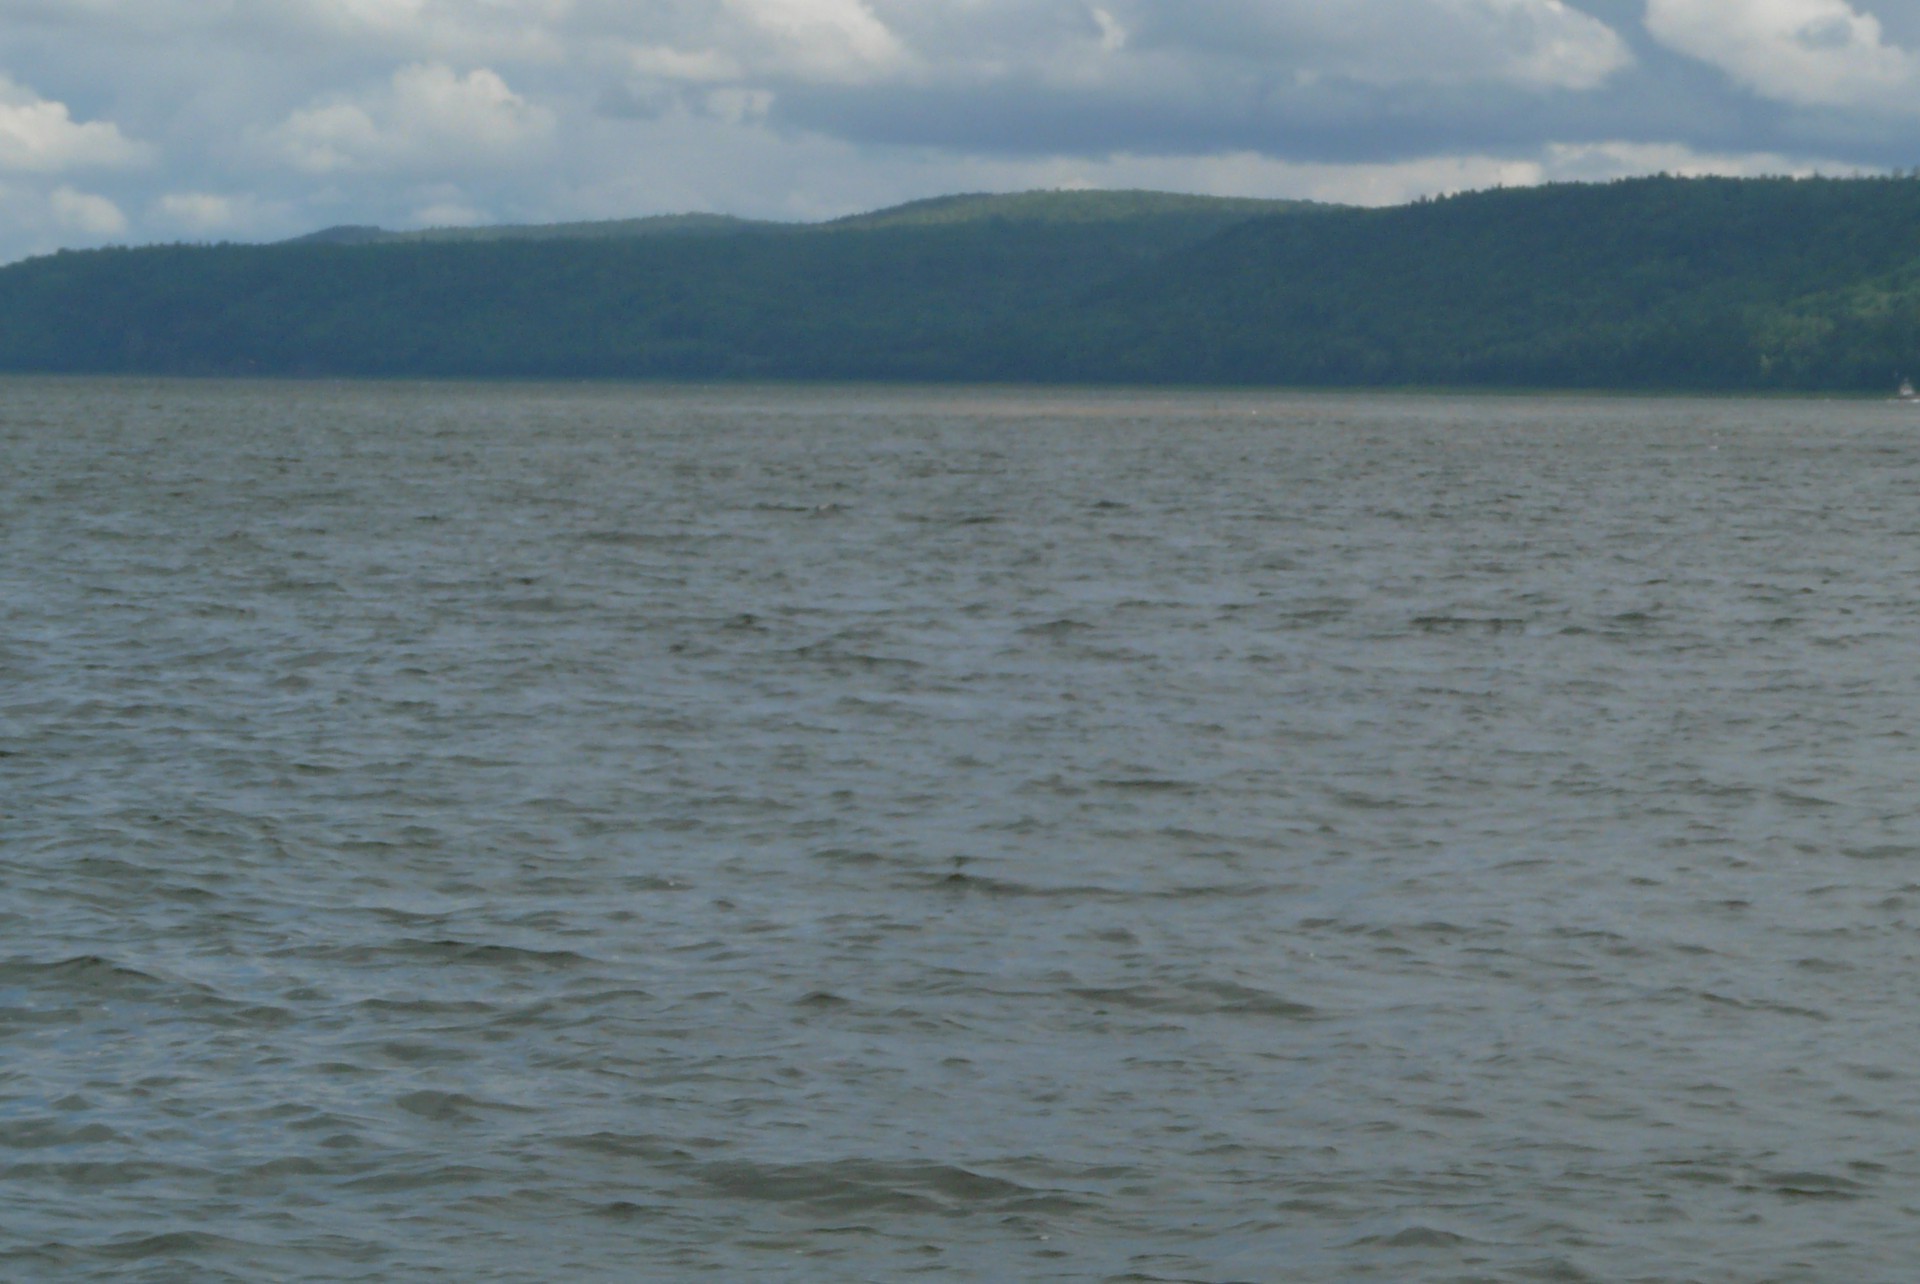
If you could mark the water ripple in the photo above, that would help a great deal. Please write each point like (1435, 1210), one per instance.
(607, 833)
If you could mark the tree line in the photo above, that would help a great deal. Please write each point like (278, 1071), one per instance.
(1646, 283)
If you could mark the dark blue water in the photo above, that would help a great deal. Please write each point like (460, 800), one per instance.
(536, 833)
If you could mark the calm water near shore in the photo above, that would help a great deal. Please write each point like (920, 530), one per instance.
(502, 833)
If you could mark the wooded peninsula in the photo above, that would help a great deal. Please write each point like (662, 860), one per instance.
(1654, 283)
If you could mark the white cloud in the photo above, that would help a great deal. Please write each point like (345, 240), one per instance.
(1035, 75)
(1386, 183)
(38, 218)
(93, 216)
(39, 135)
(1600, 162)
(197, 211)
(737, 106)
(428, 115)
(207, 213)
(1814, 52)
(1114, 50)
(1536, 43)
(831, 40)
(268, 119)
(699, 67)
(1252, 174)
(1559, 47)
(448, 214)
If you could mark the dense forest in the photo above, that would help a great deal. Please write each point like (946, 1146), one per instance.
(1644, 283)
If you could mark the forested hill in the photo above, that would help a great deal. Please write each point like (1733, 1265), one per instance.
(935, 290)
(1647, 283)
(1694, 283)
(656, 225)
(1186, 216)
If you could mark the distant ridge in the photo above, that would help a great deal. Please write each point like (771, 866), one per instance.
(608, 229)
(1068, 207)
(344, 234)
(1655, 283)
(1018, 207)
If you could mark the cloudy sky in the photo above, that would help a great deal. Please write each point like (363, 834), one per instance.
(149, 120)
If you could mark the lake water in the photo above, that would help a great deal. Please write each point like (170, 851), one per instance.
(495, 833)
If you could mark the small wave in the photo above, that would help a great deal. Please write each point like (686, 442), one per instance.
(1812, 1185)
(862, 1185)
(1151, 785)
(829, 654)
(644, 1146)
(45, 1134)
(1199, 998)
(94, 976)
(96, 1177)
(961, 881)
(451, 1107)
(1414, 1237)
(624, 1210)
(543, 604)
(1882, 851)
(424, 1177)
(852, 856)
(486, 955)
(632, 539)
(1467, 624)
(803, 510)
(172, 1244)
(1056, 629)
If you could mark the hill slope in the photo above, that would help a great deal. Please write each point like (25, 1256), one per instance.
(1649, 283)
(1074, 207)
(1663, 282)
(1200, 212)
(897, 294)
(656, 225)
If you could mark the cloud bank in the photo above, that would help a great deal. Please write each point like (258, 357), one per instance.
(159, 119)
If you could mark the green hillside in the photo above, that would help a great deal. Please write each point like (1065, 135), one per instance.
(1648, 283)
(1209, 212)
(896, 296)
(1713, 283)
(1072, 207)
(656, 225)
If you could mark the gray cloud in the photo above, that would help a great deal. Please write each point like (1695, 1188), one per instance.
(148, 119)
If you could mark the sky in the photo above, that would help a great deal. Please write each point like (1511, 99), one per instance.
(136, 121)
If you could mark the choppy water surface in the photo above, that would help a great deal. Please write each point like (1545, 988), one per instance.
(494, 833)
